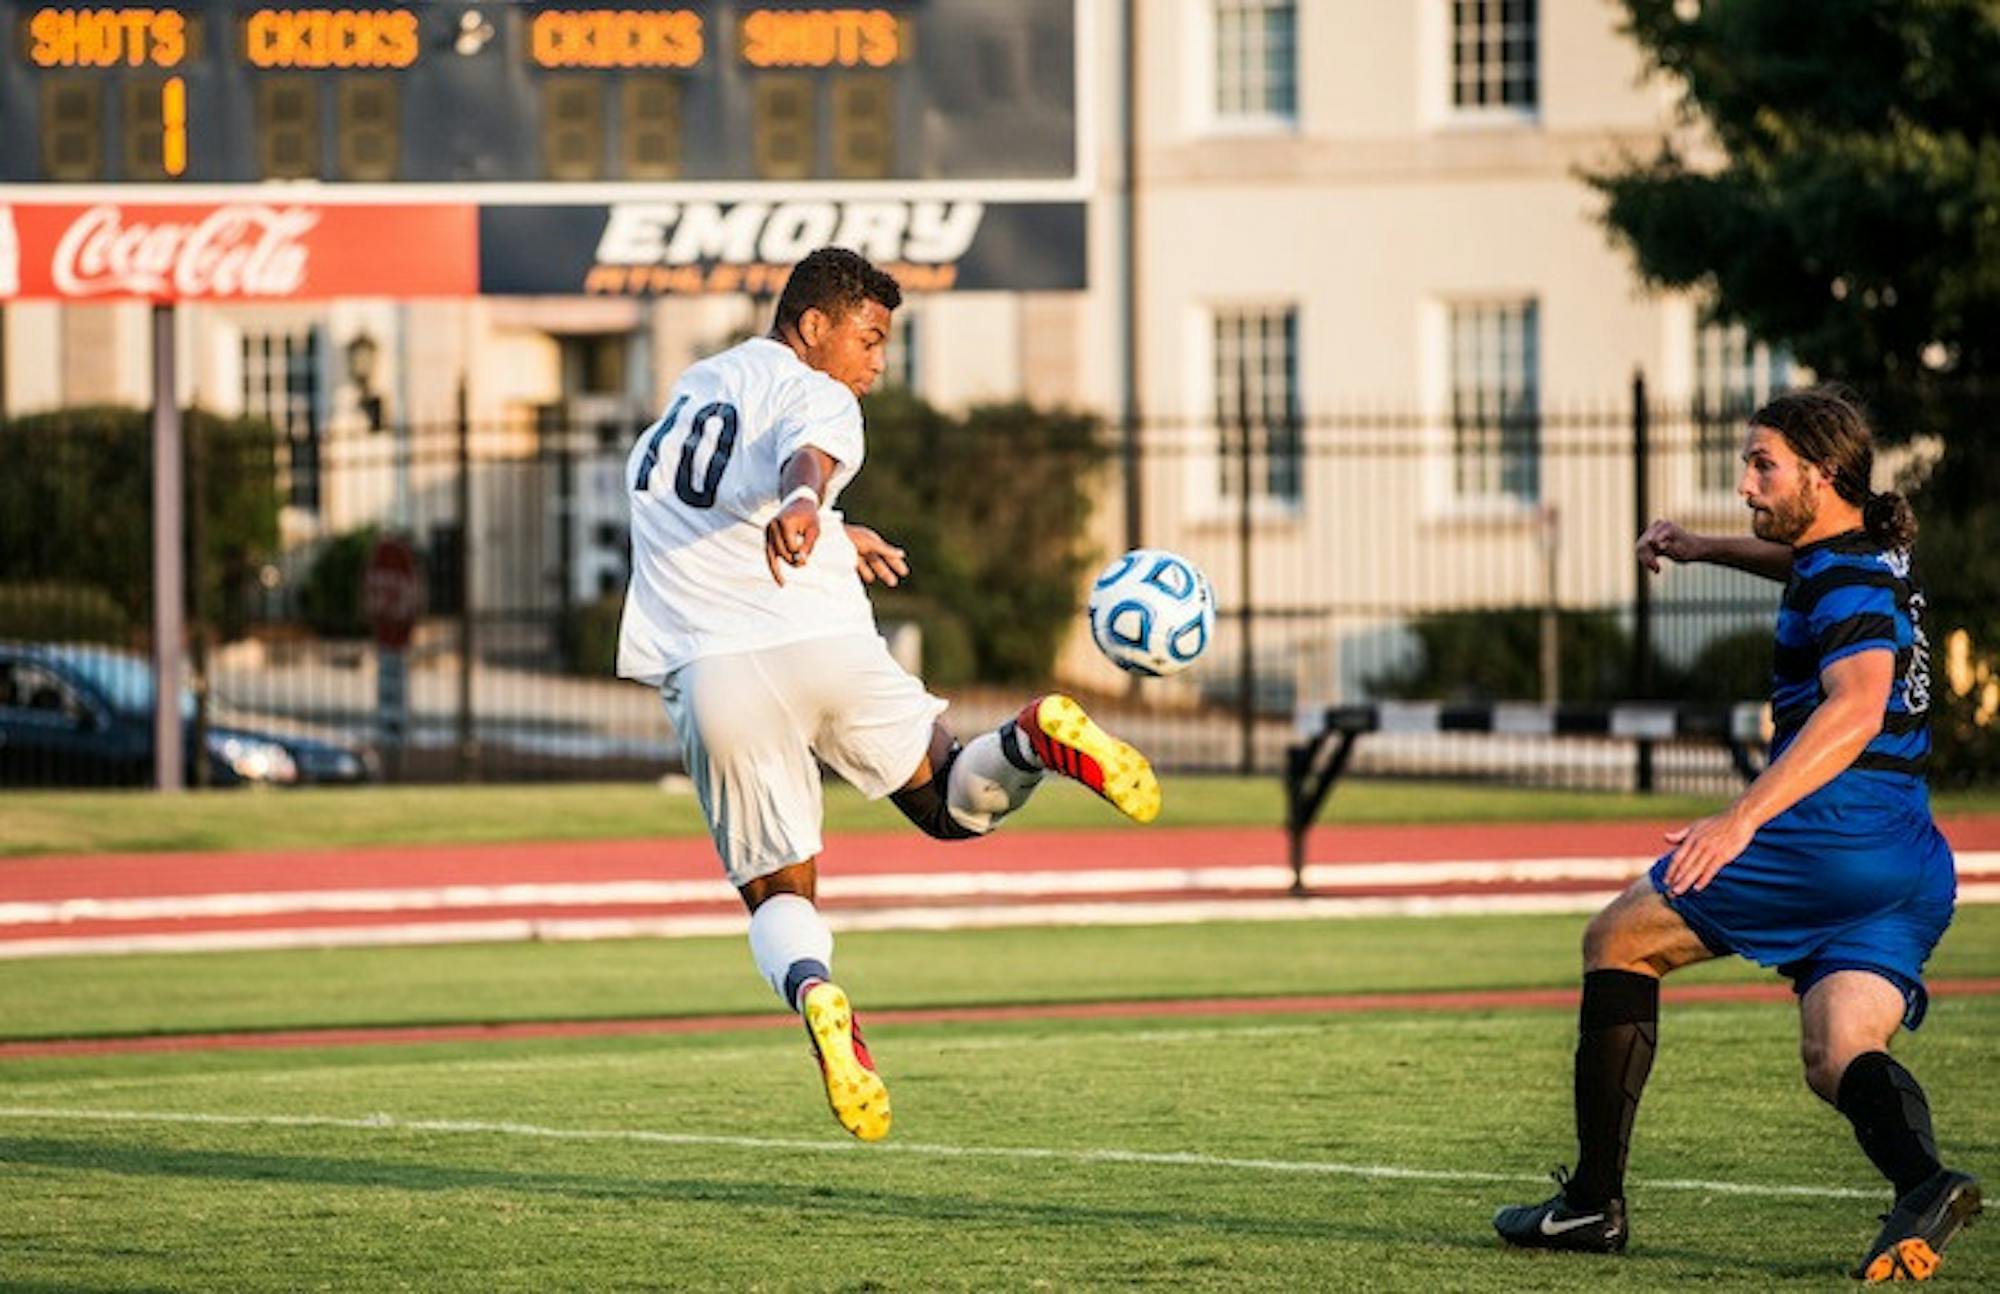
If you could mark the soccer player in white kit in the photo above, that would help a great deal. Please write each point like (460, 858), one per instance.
(746, 609)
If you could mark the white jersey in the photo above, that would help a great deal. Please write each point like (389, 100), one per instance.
(703, 484)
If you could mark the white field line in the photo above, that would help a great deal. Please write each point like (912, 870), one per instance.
(1144, 1158)
(1109, 912)
(908, 885)
(1325, 878)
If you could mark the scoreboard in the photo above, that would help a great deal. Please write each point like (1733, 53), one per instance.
(704, 91)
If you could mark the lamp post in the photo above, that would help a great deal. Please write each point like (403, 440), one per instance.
(362, 353)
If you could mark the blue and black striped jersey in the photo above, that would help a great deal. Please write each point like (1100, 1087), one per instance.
(1847, 594)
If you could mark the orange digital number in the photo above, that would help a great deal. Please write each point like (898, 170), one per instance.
(173, 126)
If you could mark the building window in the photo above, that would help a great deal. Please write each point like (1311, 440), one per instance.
(1732, 377)
(1257, 395)
(595, 363)
(1494, 49)
(281, 385)
(1496, 419)
(899, 364)
(1256, 60)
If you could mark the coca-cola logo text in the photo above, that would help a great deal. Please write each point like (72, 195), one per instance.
(246, 250)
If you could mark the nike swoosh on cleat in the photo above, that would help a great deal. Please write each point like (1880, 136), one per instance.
(1551, 1227)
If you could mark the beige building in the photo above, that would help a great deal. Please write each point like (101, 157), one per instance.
(1360, 220)
(1366, 221)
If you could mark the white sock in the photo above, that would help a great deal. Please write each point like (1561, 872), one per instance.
(986, 785)
(791, 943)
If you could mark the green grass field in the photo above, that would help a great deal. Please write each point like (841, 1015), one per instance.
(136, 821)
(1225, 1152)
(87, 822)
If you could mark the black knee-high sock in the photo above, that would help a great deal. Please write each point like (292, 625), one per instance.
(1891, 1118)
(1617, 1026)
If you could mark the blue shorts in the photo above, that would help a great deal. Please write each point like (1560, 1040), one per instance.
(1836, 882)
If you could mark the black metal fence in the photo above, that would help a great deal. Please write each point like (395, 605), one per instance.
(1451, 554)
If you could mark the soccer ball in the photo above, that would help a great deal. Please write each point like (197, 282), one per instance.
(1152, 612)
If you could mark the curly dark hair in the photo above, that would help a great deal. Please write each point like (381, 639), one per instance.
(1826, 425)
(834, 281)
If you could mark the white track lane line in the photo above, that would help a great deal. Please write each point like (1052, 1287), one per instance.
(1109, 912)
(1332, 879)
(1144, 1158)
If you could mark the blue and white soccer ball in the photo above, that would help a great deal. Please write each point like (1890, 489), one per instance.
(1152, 612)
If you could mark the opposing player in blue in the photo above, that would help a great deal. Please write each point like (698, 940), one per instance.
(1827, 867)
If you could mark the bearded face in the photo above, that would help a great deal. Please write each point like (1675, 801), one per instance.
(1784, 518)
(1781, 491)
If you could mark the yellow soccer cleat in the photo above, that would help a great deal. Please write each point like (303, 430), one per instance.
(859, 1097)
(1066, 741)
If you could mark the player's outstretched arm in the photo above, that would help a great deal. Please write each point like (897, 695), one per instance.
(875, 557)
(791, 535)
(1762, 557)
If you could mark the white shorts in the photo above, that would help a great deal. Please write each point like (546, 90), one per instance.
(750, 724)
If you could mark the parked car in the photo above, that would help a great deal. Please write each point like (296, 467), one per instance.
(75, 715)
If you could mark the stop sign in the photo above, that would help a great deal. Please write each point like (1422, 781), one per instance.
(392, 593)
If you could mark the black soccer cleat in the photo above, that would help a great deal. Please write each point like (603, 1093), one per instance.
(1915, 1232)
(1557, 1224)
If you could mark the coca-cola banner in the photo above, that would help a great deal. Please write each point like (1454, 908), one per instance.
(687, 247)
(236, 251)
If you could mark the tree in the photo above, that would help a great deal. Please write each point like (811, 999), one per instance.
(76, 507)
(1839, 193)
(992, 506)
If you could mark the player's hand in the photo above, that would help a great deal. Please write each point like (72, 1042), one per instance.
(1701, 849)
(1665, 539)
(791, 537)
(877, 558)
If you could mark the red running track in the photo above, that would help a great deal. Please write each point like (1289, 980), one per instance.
(37, 885)
(868, 854)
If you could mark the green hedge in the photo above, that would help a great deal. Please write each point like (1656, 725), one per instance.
(1472, 656)
(330, 599)
(590, 636)
(1495, 655)
(76, 506)
(991, 506)
(53, 612)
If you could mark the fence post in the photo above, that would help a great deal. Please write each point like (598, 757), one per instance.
(468, 749)
(1246, 681)
(1551, 656)
(198, 610)
(1128, 277)
(567, 511)
(1642, 589)
(169, 583)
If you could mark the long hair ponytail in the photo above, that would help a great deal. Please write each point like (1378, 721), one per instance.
(1889, 520)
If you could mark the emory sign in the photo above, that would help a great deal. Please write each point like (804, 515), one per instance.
(654, 248)
(647, 233)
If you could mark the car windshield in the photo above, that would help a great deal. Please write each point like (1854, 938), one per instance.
(125, 682)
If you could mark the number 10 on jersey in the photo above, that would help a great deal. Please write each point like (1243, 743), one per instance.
(716, 414)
